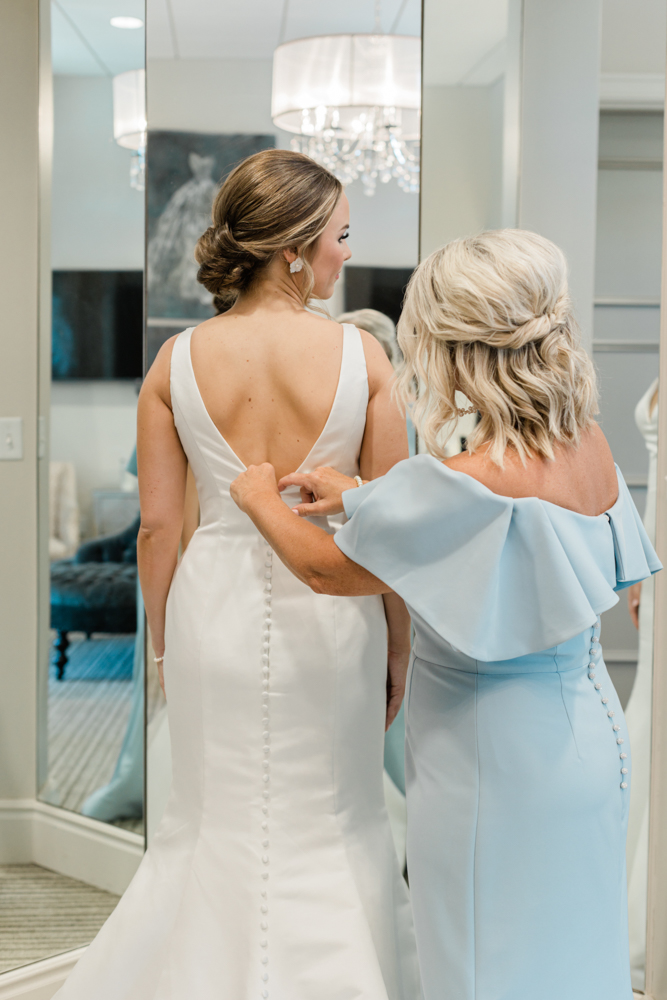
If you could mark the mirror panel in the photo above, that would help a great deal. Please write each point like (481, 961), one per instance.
(92, 735)
(481, 166)
(210, 71)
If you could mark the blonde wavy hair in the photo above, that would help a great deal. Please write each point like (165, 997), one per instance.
(490, 316)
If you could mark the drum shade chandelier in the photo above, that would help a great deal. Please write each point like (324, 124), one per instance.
(129, 121)
(353, 102)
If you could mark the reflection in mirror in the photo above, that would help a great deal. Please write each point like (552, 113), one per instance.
(478, 160)
(223, 84)
(92, 749)
(625, 347)
(470, 128)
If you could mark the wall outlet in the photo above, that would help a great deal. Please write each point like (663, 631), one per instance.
(11, 438)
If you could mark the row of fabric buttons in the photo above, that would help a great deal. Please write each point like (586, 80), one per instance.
(595, 656)
(266, 771)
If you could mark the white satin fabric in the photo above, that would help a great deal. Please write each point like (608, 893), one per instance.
(273, 873)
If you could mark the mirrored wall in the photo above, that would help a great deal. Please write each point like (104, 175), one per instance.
(91, 753)
(224, 84)
(512, 100)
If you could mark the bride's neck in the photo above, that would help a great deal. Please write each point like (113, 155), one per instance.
(275, 290)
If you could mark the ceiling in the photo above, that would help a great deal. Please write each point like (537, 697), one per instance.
(83, 43)
(471, 33)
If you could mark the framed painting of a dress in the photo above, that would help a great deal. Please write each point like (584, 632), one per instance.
(185, 170)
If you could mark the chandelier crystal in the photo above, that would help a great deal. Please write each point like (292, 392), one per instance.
(353, 102)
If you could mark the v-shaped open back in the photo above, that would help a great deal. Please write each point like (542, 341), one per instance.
(213, 460)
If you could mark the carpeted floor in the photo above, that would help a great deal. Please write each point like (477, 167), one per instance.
(87, 718)
(44, 914)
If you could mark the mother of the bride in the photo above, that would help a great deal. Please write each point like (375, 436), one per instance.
(517, 756)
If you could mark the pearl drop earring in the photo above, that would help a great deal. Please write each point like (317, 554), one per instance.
(296, 265)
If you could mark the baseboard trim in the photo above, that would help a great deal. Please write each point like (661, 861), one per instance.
(38, 981)
(97, 853)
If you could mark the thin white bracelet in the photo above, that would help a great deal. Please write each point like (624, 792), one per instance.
(158, 659)
(358, 480)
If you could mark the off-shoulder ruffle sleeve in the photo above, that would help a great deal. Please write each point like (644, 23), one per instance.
(496, 577)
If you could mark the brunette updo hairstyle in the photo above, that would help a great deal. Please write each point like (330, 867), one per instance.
(275, 200)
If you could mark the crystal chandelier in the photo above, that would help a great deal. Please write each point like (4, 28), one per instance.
(353, 102)
(129, 121)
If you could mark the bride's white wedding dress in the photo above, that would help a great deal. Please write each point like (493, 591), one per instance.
(273, 873)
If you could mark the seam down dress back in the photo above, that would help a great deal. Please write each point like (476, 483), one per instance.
(518, 761)
(273, 873)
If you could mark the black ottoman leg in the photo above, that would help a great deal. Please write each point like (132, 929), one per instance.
(61, 644)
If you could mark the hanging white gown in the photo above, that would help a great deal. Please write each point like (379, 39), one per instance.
(638, 716)
(273, 873)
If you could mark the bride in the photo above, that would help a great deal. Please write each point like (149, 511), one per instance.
(273, 873)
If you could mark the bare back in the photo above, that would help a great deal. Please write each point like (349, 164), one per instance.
(269, 379)
(583, 479)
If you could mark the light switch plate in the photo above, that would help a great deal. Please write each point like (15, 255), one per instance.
(11, 438)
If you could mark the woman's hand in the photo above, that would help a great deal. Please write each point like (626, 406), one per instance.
(634, 600)
(321, 491)
(397, 669)
(254, 486)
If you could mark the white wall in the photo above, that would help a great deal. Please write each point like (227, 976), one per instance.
(98, 219)
(628, 259)
(559, 135)
(97, 224)
(18, 393)
(461, 161)
(93, 424)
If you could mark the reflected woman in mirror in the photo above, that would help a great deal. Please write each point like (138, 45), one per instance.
(518, 762)
(638, 711)
(273, 872)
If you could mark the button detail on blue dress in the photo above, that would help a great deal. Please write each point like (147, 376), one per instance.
(623, 756)
(620, 740)
(624, 770)
(624, 784)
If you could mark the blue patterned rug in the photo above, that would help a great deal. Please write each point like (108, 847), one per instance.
(108, 659)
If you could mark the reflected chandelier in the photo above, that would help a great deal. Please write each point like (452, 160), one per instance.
(129, 121)
(353, 102)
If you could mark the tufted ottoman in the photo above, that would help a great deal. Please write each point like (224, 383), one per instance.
(91, 597)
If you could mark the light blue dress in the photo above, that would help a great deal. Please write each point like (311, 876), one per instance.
(517, 759)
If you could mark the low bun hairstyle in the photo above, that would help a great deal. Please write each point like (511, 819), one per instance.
(273, 201)
(491, 317)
